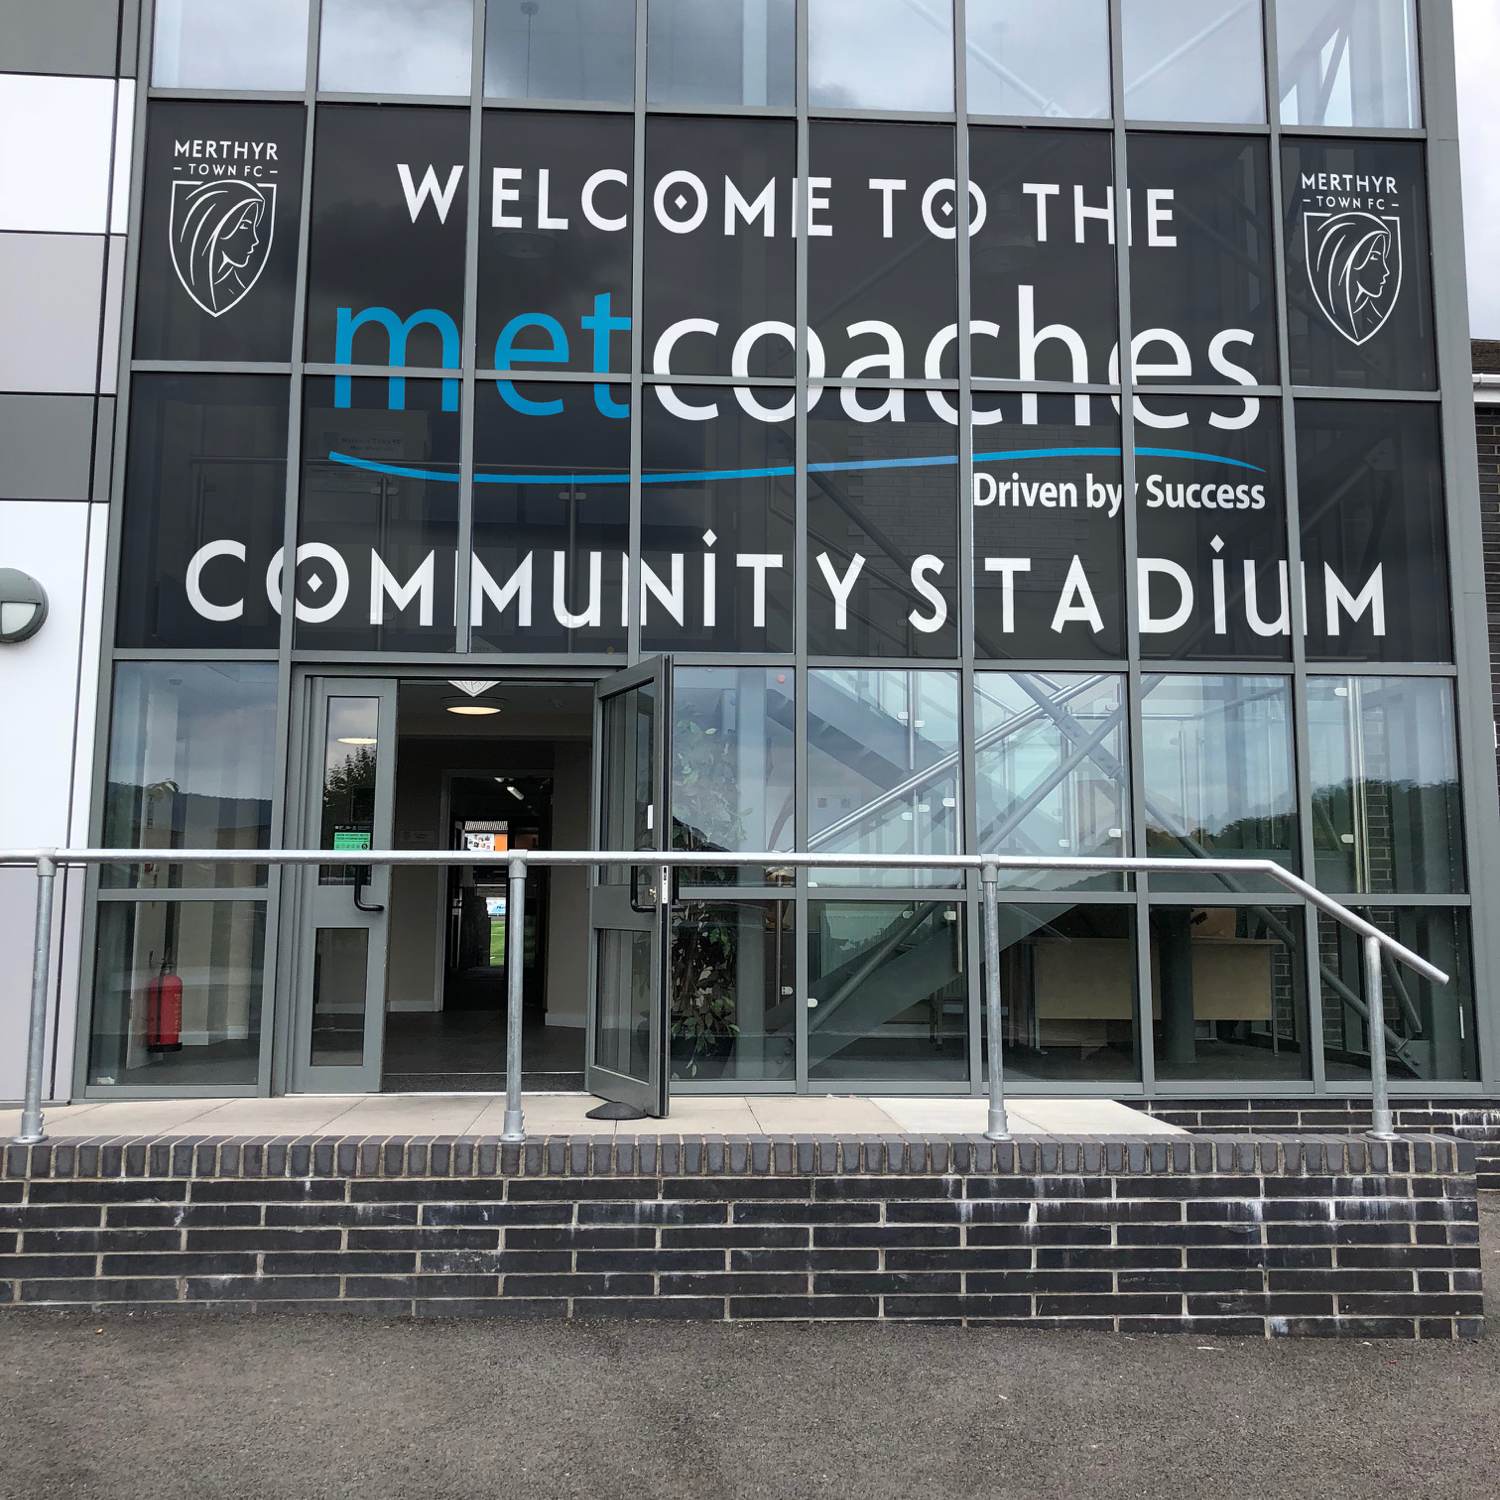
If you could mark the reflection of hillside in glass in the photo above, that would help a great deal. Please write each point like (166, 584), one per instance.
(192, 747)
(1217, 763)
(1386, 811)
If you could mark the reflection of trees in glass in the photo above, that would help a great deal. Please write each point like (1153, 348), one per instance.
(351, 781)
(703, 984)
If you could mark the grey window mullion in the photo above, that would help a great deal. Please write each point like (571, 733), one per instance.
(275, 1020)
(1135, 709)
(1474, 716)
(468, 351)
(109, 604)
(800, 816)
(968, 790)
(637, 342)
(1301, 724)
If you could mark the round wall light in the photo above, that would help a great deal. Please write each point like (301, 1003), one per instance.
(23, 606)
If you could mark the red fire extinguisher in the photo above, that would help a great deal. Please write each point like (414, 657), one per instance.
(164, 1011)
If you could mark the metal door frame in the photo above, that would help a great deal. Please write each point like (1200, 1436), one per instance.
(611, 907)
(300, 892)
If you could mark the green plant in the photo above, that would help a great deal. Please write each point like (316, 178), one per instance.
(702, 986)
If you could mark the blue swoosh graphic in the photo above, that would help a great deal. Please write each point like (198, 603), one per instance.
(785, 471)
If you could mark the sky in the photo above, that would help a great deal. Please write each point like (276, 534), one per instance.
(1477, 24)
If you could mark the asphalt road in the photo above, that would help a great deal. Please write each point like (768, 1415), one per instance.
(311, 1406)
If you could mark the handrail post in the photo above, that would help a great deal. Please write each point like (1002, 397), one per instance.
(997, 1127)
(32, 1129)
(1382, 1126)
(514, 1128)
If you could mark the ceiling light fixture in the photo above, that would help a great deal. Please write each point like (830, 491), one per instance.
(468, 706)
(357, 739)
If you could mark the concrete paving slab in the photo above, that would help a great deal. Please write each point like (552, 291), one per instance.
(804, 1115)
(127, 1117)
(546, 1114)
(1092, 1117)
(566, 1114)
(298, 1114)
(412, 1114)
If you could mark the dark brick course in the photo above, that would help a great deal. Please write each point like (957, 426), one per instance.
(1474, 1120)
(1223, 1233)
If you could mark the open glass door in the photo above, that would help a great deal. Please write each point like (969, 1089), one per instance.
(629, 906)
(341, 950)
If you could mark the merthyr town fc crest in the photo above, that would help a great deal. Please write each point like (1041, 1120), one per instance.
(1354, 265)
(220, 234)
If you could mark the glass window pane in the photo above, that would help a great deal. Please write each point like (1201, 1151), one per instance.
(1214, 575)
(1050, 755)
(177, 994)
(378, 517)
(1202, 61)
(205, 491)
(1202, 296)
(551, 517)
(226, 44)
(882, 263)
(351, 758)
(1068, 985)
(882, 525)
(883, 770)
(1431, 1033)
(732, 767)
(554, 248)
(1374, 537)
(192, 746)
(1042, 263)
(1349, 63)
(622, 1035)
(733, 990)
(341, 957)
(721, 52)
(737, 266)
(1027, 59)
(1358, 264)
(1049, 528)
(880, 54)
(718, 513)
(404, 304)
(560, 49)
(627, 751)
(396, 46)
(1385, 798)
(1217, 755)
(891, 987)
(1229, 992)
(225, 286)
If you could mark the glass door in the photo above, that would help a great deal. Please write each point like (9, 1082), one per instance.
(341, 950)
(630, 905)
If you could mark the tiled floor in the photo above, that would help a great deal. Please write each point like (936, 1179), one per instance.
(564, 1114)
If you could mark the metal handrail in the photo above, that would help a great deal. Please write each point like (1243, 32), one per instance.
(47, 862)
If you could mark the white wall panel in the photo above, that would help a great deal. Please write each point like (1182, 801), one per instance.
(54, 160)
(44, 683)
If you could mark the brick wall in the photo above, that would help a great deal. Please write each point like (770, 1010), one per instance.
(1251, 1235)
(1471, 1120)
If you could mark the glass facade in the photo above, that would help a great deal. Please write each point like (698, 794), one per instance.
(488, 340)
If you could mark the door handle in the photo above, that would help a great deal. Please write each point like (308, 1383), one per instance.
(641, 899)
(361, 880)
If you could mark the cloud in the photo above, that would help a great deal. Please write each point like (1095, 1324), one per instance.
(1477, 27)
